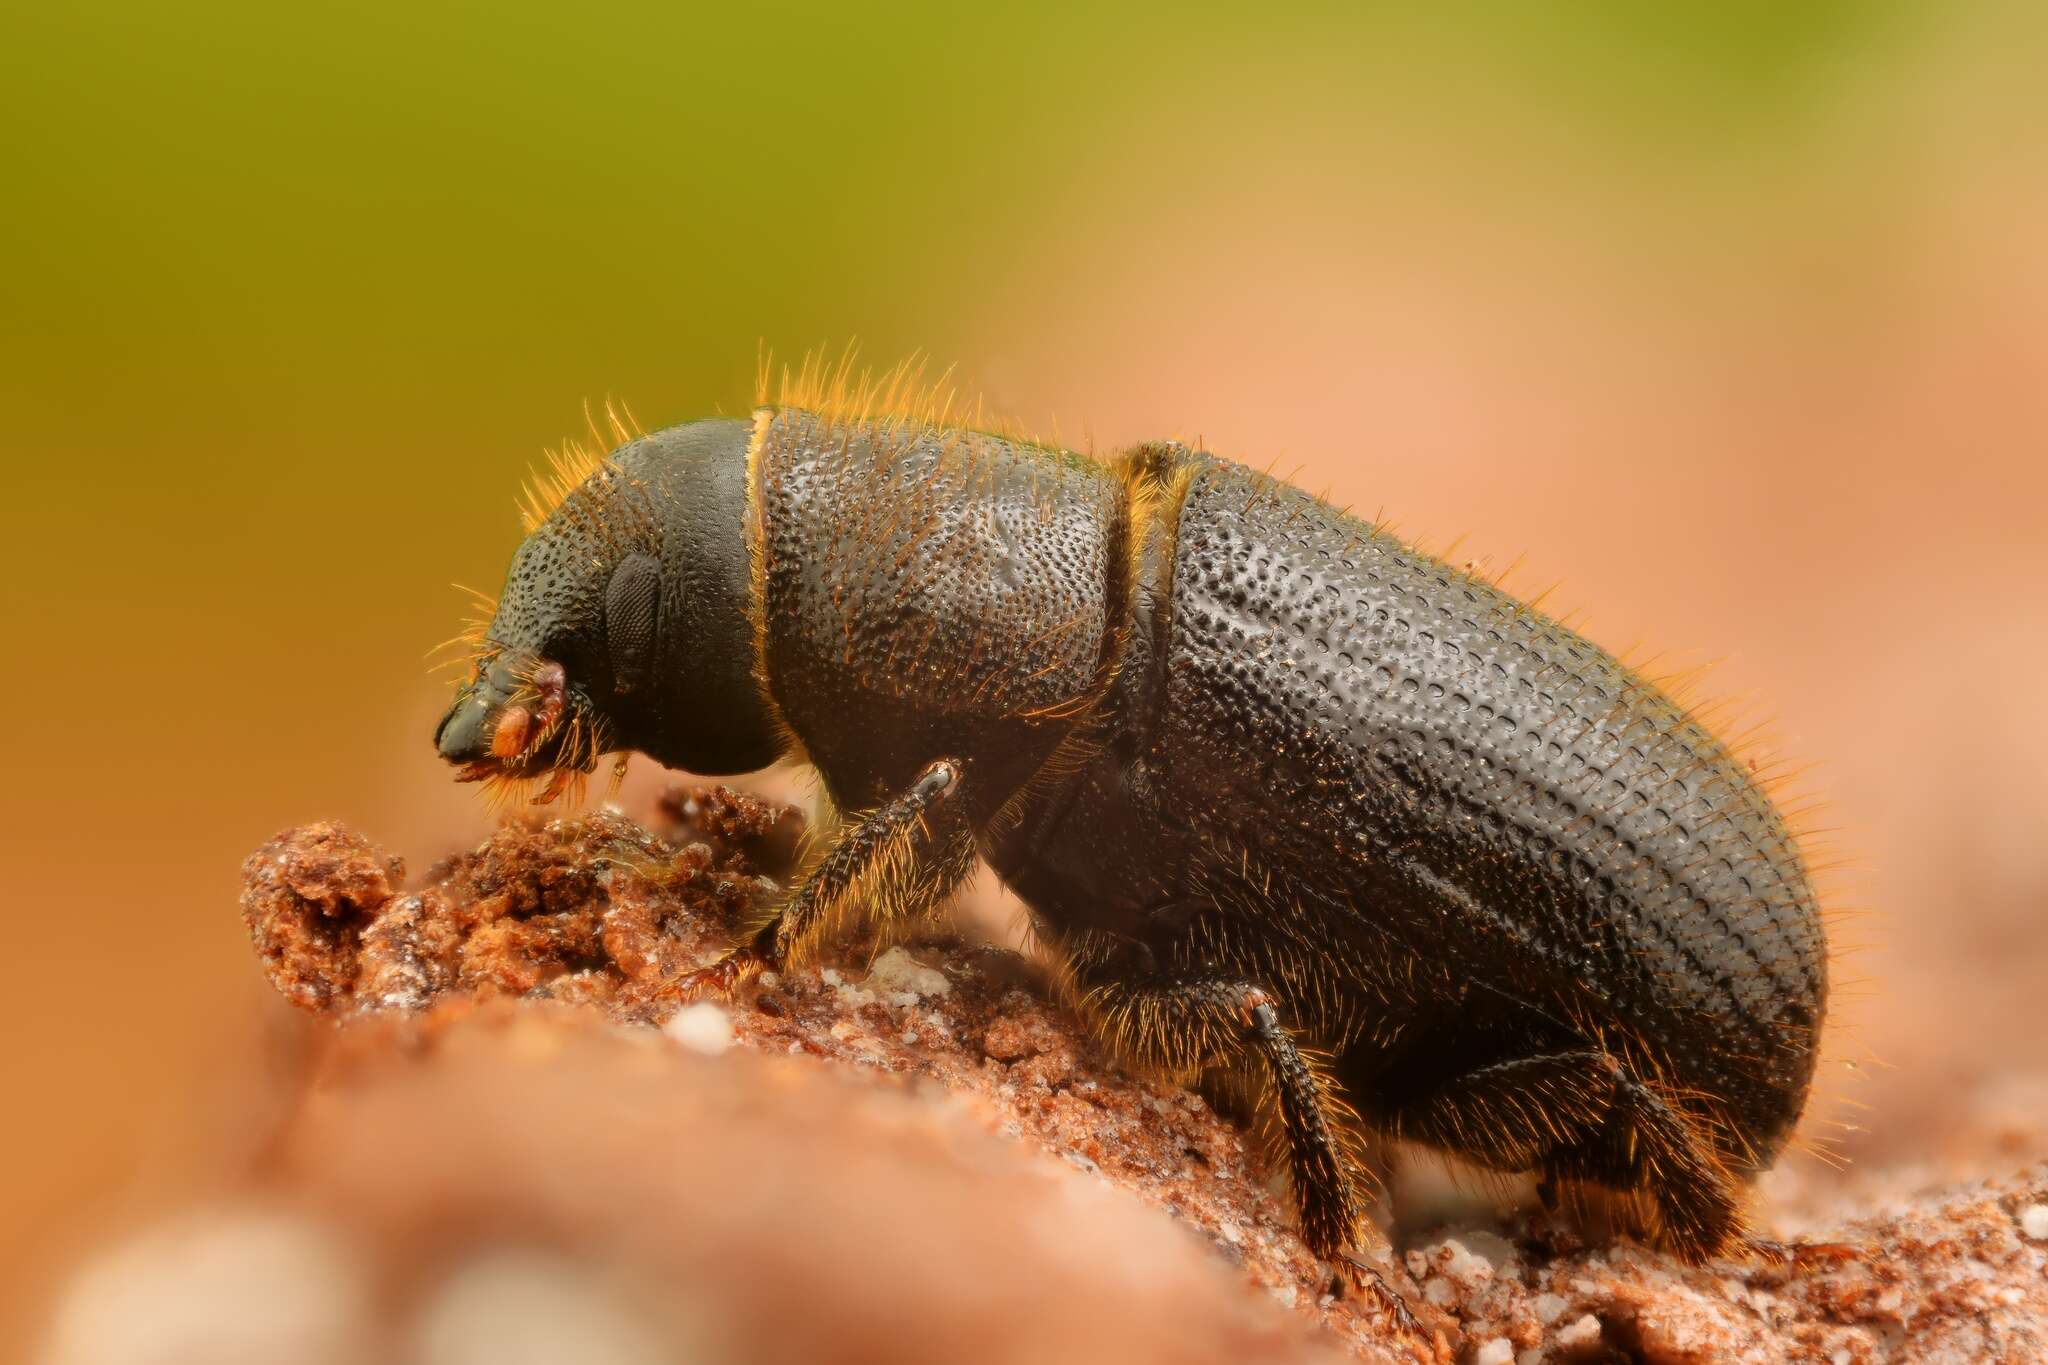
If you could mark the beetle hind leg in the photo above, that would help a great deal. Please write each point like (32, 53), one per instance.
(1582, 1116)
(1666, 1161)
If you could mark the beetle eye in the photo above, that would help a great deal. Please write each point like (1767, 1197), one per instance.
(632, 607)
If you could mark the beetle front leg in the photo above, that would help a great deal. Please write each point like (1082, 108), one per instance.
(906, 856)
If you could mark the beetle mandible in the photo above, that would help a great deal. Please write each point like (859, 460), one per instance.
(1295, 805)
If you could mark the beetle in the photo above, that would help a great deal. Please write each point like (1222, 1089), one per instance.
(1295, 805)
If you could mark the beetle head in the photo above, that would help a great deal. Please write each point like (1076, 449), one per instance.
(623, 623)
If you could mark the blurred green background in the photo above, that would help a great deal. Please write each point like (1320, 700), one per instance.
(1730, 314)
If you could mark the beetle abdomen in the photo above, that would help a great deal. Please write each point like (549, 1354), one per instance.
(1521, 821)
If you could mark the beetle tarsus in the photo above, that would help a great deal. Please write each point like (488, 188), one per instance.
(1800, 1255)
(723, 978)
(1355, 1276)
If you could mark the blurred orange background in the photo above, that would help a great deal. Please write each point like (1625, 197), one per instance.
(1732, 317)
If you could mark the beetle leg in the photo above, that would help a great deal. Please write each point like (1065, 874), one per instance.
(1508, 1115)
(1183, 1024)
(1801, 1255)
(904, 857)
(1580, 1114)
(1331, 1214)
(1332, 1217)
(1650, 1147)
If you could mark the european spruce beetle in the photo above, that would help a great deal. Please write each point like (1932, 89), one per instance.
(1301, 809)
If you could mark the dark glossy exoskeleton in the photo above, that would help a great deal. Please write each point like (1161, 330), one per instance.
(1294, 803)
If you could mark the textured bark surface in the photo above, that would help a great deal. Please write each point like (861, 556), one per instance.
(498, 1132)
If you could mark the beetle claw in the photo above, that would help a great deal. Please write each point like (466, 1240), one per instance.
(558, 781)
(1802, 1255)
(1398, 1317)
(721, 979)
